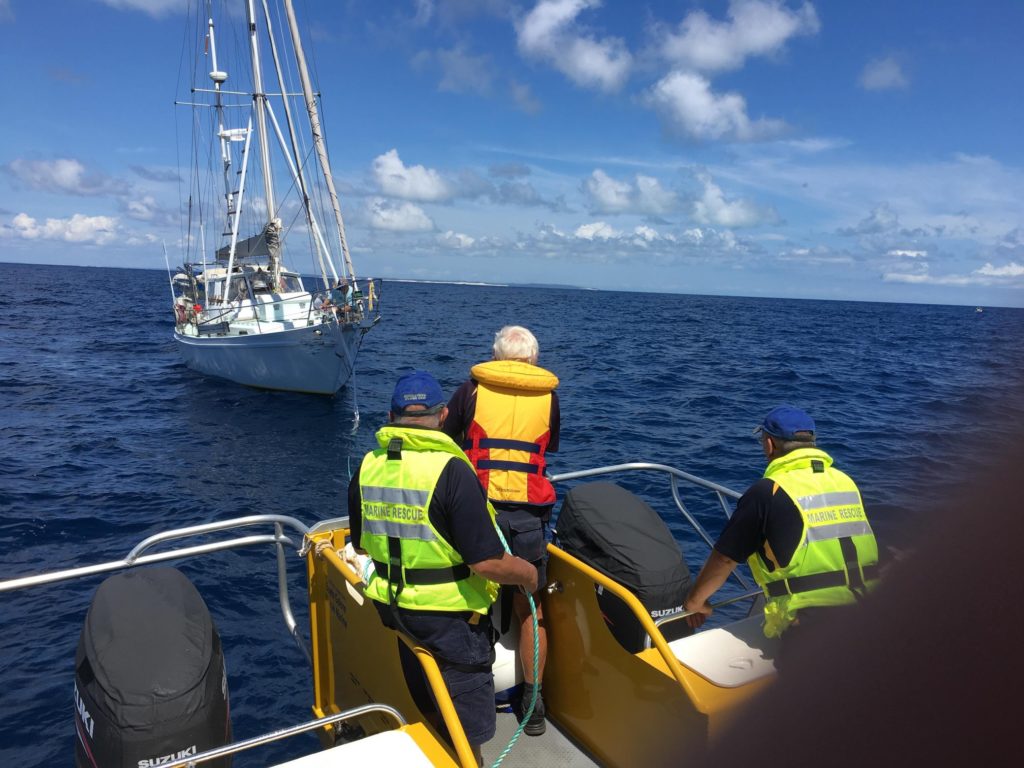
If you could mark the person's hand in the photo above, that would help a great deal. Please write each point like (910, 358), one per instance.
(699, 616)
(531, 586)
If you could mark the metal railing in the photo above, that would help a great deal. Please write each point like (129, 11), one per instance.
(267, 738)
(675, 475)
(137, 557)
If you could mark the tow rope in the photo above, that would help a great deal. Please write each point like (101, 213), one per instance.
(536, 661)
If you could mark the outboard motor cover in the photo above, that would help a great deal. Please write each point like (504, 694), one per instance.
(150, 683)
(617, 533)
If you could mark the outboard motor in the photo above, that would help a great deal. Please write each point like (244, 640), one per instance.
(150, 683)
(617, 533)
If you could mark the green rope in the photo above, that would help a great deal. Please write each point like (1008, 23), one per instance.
(536, 661)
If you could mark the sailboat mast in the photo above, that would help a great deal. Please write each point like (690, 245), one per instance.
(260, 101)
(318, 137)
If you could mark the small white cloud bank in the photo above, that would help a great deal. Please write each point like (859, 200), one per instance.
(549, 33)
(644, 194)
(884, 74)
(455, 240)
(686, 105)
(398, 217)
(79, 228)
(415, 182)
(714, 208)
(754, 28)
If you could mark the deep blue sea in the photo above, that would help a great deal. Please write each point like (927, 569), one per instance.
(106, 438)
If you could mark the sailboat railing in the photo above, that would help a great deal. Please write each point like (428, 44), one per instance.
(137, 557)
(675, 476)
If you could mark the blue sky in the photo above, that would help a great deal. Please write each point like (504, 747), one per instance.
(840, 150)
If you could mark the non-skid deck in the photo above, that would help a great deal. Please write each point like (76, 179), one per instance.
(551, 748)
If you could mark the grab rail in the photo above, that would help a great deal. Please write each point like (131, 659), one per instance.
(675, 475)
(283, 733)
(136, 557)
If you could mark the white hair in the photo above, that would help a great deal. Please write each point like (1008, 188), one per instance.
(513, 342)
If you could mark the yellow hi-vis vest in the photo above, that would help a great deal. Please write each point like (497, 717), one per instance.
(511, 429)
(836, 559)
(415, 567)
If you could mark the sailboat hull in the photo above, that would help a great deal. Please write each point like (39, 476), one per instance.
(316, 359)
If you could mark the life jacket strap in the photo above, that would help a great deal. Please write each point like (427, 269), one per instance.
(427, 576)
(510, 466)
(500, 443)
(826, 580)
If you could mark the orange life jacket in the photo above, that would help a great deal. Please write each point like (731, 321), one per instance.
(511, 429)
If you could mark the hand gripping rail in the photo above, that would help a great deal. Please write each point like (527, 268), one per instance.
(137, 557)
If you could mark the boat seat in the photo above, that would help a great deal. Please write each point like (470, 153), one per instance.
(729, 656)
(387, 748)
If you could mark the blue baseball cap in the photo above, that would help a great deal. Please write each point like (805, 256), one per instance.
(786, 421)
(417, 388)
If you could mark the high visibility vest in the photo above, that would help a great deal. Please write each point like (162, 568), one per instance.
(414, 565)
(836, 559)
(511, 429)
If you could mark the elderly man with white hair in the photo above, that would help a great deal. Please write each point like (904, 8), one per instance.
(506, 417)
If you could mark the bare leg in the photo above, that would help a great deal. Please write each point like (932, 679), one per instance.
(522, 610)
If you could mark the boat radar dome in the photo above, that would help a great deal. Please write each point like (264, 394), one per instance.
(218, 76)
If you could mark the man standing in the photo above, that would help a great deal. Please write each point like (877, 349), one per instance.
(416, 508)
(506, 417)
(801, 528)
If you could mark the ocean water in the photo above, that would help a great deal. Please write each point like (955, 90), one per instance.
(106, 438)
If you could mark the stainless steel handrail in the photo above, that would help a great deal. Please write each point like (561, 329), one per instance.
(755, 593)
(136, 558)
(256, 741)
(675, 475)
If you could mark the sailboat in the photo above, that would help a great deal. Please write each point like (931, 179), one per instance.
(240, 312)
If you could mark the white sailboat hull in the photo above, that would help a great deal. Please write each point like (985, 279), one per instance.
(316, 359)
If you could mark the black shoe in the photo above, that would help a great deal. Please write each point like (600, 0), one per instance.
(536, 725)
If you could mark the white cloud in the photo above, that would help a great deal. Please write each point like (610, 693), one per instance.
(63, 175)
(1013, 269)
(903, 253)
(713, 208)
(924, 278)
(607, 194)
(686, 103)
(597, 230)
(410, 183)
(152, 7)
(755, 28)
(883, 75)
(6, 14)
(398, 217)
(96, 230)
(644, 195)
(451, 239)
(548, 32)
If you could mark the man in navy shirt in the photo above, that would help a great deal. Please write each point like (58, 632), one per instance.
(461, 640)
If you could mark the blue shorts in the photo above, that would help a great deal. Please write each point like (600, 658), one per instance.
(526, 534)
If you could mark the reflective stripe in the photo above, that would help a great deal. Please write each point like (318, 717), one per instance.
(398, 530)
(406, 496)
(832, 499)
(838, 530)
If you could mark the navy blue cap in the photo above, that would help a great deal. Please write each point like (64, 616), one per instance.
(785, 421)
(417, 388)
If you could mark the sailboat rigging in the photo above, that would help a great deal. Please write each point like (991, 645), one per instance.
(245, 315)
